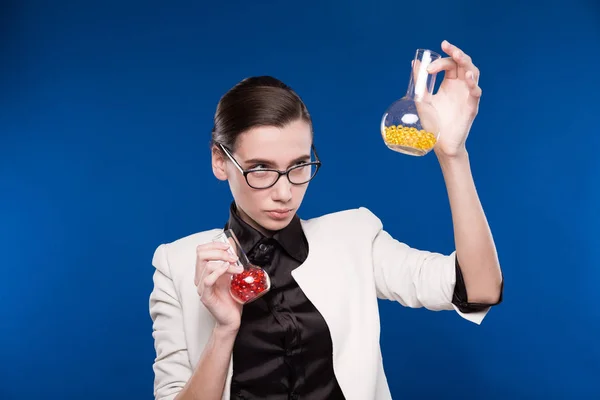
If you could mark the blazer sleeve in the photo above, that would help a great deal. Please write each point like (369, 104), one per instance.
(414, 278)
(171, 366)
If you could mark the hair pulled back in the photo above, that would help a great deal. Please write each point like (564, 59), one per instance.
(256, 101)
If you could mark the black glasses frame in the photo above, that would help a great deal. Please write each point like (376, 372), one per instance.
(245, 172)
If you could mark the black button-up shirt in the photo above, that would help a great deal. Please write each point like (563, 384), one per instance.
(283, 349)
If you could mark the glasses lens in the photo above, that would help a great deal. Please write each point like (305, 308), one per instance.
(262, 179)
(302, 173)
(298, 175)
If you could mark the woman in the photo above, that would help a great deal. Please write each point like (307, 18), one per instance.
(315, 334)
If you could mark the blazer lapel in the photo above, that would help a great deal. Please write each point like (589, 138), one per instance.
(329, 281)
(317, 277)
(314, 278)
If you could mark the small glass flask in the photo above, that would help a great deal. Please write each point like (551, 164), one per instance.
(250, 284)
(411, 125)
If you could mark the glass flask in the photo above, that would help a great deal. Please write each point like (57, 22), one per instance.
(411, 124)
(250, 284)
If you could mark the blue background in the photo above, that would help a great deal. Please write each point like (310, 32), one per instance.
(105, 116)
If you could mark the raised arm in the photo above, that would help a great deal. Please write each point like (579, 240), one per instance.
(457, 102)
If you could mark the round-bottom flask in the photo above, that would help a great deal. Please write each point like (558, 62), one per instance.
(250, 284)
(411, 125)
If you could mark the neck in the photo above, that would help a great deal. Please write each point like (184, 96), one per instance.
(421, 83)
(246, 218)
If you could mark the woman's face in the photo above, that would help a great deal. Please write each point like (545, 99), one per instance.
(273, 208)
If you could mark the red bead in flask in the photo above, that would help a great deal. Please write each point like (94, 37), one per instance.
(250, 284)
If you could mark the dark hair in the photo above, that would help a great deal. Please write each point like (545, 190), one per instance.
(256, 101)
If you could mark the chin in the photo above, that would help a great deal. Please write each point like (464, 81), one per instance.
(273, 225)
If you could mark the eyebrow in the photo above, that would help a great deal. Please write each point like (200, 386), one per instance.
(253, 161)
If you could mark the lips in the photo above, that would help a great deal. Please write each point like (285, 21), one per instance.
(279, 213)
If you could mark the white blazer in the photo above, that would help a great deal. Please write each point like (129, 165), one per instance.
(351, 263)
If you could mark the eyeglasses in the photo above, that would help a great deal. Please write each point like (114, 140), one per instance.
(264, 178)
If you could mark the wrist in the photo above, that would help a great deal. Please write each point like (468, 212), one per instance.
(225, 332)
(459, 155)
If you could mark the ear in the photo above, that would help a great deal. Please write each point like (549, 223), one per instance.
(219, 163)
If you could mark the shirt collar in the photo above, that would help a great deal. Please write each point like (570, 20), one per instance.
(291, 238)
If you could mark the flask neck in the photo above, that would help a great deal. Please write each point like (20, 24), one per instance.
(421, 83)
(235, 249)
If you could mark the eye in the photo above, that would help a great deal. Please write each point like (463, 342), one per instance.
(258, 166)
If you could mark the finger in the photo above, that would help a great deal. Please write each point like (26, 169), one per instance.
(206, 256)
(212, 246)
(444, 64)
(476, 93)
(215, 255)
(206, 288)
(211, 266)
(201, 270)
(210, 250)
(463, 60)
(452, 50)
(208, 253)
(233, 268)
(465, 65)
(210, 280)
(474, 90)
(472, 82)
(228, 242)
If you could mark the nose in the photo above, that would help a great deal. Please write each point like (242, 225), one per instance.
(282, 191)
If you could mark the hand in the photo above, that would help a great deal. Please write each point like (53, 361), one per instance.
(457, 99)
(214, 266)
